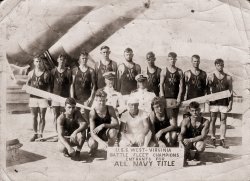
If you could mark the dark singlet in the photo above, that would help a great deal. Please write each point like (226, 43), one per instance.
(128, 82)
(40, 82)
(171, 84)
(158, 124)
(154, 81)
(82, 85)
(100, 71)
(61, 82)
(219, 85)
(99, 120)
(196, 85)
(70, 125)
(191, 131)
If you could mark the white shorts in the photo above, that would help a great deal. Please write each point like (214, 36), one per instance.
(57, 104)
(36, 102)
(216, 108)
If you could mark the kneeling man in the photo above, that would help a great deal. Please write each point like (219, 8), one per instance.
(103, 123)
(164, 131)
(134, 126)
(194, 130)
(71, 128)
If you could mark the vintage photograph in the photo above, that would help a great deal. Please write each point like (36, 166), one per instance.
(124, 90)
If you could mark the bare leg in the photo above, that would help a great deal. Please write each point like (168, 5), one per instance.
(56, 112)
(223, 125)
(212, 124)
(42, 120)
(112, 136)
(34, 112)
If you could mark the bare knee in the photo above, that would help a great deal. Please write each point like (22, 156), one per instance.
(92, 143)
(200, 146)
(81, 136)
(112, 133)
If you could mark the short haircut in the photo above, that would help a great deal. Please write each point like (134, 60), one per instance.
(157, 101)
(37, 57)
(71, 101)
(100, 93)
(173, 55)
(105, 47)
(196, 56)
(218, 61)
(85, 53)
(128, 50)
(194, 105)
(62, 56)
(150, 54)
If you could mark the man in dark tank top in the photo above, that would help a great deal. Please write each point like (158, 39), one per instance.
(103, 124)
(126, 74)
(220, 81)
(71, 130)
(83, 83)
(61, 79)
(171, 86)
(163, 129)
(103, 66)
(194, 130)
(153, 73)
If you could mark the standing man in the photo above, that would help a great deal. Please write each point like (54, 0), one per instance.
(103, 123)
(38, 78)
(194, 130)
(84, 82)
(127, 72)
(171, 86)
(220, 81)
(142, 94)
(104, 65)
(71, 130)
(164, 130)
(195, 80)
(135, 126)
(61, 79)
(154, 74)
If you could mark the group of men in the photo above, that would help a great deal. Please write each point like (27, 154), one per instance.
(126, 107)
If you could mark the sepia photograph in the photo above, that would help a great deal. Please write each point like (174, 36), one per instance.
(122, 90)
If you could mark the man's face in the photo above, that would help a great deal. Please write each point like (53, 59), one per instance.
(69, 109)
(171, 61)
(38, 62)
(101, 101)
(105, 53)
(159, 108)
(109, 83)
(150, 60)
(83, 59)
(61, 61)
(219, 67)
(195, 112)
(133, 108)
(195, 62)
(128, 56)
(142, 84)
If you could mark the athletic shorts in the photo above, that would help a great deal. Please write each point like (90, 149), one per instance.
(36, 102)
(217, 108)
(57, 104)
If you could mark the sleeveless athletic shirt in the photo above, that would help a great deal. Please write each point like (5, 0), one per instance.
(192, 132)
(154, 81)
(99, 120)
(128, 82)
(40, 82)
(161, 124)
(171, 84)
(70, 126)
(100, 71)
(61, 82)
(82, 85)
(219, 85)
(196, 85)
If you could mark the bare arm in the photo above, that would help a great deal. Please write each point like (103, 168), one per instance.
(230, 81)
(60, 131)
(172, 127)
(138, 68)
(92, 127)
(72, 87)
(147, 131)
(162, 79)
(119, 74)
(82, 122)
(93, 80)
(180, 87)
(183, 131)
(114, 121)
(185, 86)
